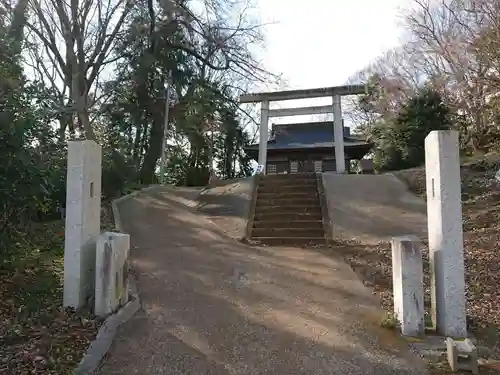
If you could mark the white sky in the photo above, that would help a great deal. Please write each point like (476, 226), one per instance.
(320, 43)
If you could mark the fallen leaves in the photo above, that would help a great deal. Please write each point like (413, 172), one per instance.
(481, 218)
(37, 336)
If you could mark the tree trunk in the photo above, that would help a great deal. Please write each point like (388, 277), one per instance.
(153, 153)
(137, 147)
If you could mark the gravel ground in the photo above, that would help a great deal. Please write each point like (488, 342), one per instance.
(212, 305)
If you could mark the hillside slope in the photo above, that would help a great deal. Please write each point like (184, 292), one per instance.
(372, 208)
(481, 220)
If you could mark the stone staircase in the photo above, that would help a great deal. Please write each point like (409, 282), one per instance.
(288, 211)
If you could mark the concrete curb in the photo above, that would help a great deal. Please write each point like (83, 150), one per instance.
(100, 346)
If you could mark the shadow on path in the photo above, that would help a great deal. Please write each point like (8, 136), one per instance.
(212, 305)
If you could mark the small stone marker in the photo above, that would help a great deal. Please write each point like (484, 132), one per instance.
(258, 170)
(111, 283)
(408, 279)
(83, 221)
(462, 355)
(444, 221)
(239, 276)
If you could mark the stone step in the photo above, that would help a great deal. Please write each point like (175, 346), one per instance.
(284, 189)
(290, 241)
(290, 176)
(288, 182)
(289, 195)
(288, 232)
(302, 201)
(287, 216)
(288, 209)
(288, 224)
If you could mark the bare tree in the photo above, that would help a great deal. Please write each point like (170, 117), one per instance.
(452, 46)
(71, 44)
(446, 36)
(393, 79)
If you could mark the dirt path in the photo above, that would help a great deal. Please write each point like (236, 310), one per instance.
(373, 208)
(214, 306)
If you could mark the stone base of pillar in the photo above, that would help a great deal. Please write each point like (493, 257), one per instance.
(408, 278)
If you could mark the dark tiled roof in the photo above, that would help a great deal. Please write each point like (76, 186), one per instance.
(307, 135)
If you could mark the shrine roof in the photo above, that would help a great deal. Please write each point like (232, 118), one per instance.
(306, 136)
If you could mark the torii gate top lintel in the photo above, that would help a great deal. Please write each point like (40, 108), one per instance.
(304, 94)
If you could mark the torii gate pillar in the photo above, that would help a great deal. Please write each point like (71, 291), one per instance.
(338, 132)
(264, 129)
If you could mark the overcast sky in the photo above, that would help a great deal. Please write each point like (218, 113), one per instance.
(323, 42)
(318, 43)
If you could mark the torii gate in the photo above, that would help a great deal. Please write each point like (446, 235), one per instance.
(336, 108)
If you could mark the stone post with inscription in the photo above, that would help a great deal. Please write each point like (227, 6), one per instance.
(444, 216)
(83, 214)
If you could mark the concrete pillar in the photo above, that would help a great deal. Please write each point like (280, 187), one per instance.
(338, 133)
(83, 220)
(264, 123)
(444, 220)
(111, 277)
(408, 284)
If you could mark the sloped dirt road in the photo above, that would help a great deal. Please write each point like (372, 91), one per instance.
(212, 305)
